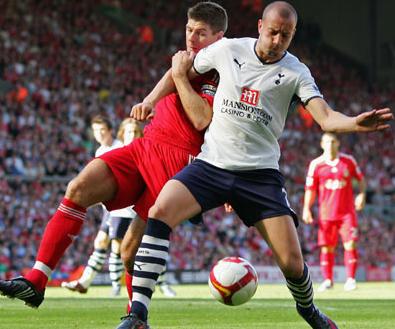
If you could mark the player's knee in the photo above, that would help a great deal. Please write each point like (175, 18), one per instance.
(101, 241)
(158, 212)
(116, 246)
(292, 266)
(75, 190)
(327, 249)
(350, 245)
(101, 245)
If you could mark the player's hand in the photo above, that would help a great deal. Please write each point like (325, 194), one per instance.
(374, 120)
(228, 207)
(181, 63)
(307, 216)
(359, 202)
(142, 111)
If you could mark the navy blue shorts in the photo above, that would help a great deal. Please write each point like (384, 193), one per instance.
(115, 227)
(253, 194)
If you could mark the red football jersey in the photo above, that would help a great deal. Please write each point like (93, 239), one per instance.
(170, 123)
(333, 182)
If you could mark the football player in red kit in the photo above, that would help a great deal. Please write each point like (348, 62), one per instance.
(134, 174)
(330, 176)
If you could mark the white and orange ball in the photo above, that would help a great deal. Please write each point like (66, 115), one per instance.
(233, 281)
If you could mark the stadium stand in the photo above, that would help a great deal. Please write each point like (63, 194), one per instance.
(62, 62)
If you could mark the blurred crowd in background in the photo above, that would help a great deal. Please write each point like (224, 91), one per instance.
(61, 62)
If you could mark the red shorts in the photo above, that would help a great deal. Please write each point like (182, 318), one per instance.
(330, 229)
(141, 169)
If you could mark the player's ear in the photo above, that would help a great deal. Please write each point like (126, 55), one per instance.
(260, 23)
(219, 35)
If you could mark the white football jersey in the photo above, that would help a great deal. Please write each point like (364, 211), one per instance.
(104, 148)
(127, 212)
(251, 103)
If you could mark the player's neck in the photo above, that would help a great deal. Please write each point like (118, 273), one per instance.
(269, 60)
(330, 156)
(107, 142)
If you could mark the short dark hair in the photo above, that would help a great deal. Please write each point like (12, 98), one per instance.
(100, 119)
(284, 9)
(211, 13)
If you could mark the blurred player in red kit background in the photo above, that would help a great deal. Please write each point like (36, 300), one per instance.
(330, 176)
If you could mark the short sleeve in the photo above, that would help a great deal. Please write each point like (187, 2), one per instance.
(207, 58)
(307, 89)
(354, 168)
(311, 178)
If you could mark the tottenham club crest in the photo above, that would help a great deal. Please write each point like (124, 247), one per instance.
(278, 79)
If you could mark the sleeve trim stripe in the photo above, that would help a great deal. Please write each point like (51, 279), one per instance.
(309, 99)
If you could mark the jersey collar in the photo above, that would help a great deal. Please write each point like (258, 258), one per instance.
(333, 162)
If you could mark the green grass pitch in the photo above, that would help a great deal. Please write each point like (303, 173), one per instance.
(372, 306)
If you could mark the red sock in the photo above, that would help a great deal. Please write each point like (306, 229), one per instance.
(128, 282)
(60, 232)
(327, 261)
(351, 262)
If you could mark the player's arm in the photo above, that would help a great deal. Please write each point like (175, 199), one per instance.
(309, 198)
(197, 108)
(144, 110)
(310, 193)
(360, 198)
(334, 121)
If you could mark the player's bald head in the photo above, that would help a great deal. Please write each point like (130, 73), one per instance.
(281, 8)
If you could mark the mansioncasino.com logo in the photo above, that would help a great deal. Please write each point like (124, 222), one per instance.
(246, 107)
(249, 96)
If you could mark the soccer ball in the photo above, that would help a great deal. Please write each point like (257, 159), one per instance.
(233, 281)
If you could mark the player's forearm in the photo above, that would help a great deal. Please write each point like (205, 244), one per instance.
(164, 87)
(362, 191)
(330, 120)
(307, 216)
(338, 123)
(333, 121)
(197, 109)
(309, 198)
(362, 186)
(360, 199)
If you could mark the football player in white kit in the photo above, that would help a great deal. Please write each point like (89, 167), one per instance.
(238, 162)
